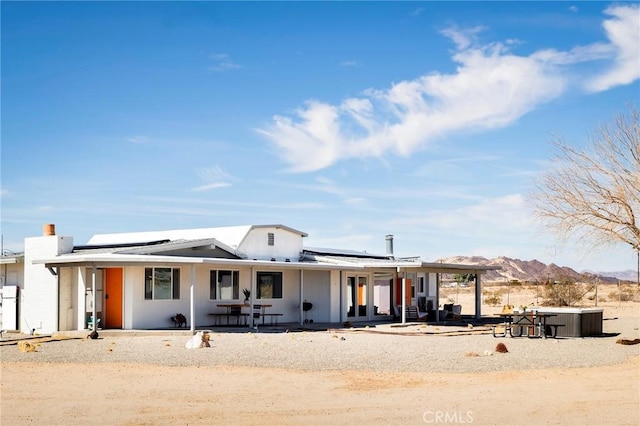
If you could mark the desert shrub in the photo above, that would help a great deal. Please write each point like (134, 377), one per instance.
(627, 294)
(493, 298)
(564, 293)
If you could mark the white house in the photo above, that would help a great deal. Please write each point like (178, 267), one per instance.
(139, 280)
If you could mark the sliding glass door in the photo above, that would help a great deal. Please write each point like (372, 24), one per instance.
(357, 297)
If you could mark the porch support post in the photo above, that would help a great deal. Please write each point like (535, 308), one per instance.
(301, 297)
(94, 312)
(252, 296)
(437, 297)
(192, 309)
(478, 296)
(403, 313)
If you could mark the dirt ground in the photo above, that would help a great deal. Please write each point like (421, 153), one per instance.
(139, 395)
(134, 394)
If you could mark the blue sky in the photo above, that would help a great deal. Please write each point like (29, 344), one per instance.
(346, 120)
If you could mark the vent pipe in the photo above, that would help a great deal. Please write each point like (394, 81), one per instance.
(49, 230)
(389, 239)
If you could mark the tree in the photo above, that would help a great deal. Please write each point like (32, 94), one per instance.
(593, 194)
(463, 278)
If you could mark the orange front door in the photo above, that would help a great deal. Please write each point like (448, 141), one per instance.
(407, 296)
(113, 298)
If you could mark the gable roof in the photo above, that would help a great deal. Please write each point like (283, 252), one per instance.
(231, 236)
(205, 247)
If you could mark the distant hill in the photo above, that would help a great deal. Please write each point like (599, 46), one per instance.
(532, 270)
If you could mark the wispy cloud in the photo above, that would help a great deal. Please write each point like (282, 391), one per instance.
(215, 178)
(350, 63)
(4, 193)
(222, 62)
(623, 30)
(139, 139)
(417, 11)
(210, 186)
(492, 87)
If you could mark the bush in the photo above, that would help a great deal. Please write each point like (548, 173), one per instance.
(627, 294)
(493, 298)
(564, 293)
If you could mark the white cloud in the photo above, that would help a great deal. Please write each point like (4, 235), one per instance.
(139, 139)
(215, 177)
(222, 62)
(209, 186)
(462, 37)
(508, 214)
(350, 63)
(492, 87)
(4, 193)
(623, 30)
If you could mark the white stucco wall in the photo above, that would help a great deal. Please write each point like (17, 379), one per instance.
(335, 297)
(148, 314)
(317, 290)
(287, 245)
(320, 288)
(12, 274)
(81, 280)
(68, 290)
(39, 301)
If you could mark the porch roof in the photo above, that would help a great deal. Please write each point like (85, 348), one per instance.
(111, 259)
(123, 259)
(390, 262)
(10, 259)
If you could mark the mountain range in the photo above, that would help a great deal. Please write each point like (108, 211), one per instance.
(534, 270)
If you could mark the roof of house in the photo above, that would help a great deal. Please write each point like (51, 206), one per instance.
(161, 247)
(12, 258)
(219, 246)
(342, 253)
(231, 236)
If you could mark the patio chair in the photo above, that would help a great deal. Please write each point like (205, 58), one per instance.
(454, 312)
(396, 312)
(236, 311)
(413, 312)
(257, 310)
(457, 312)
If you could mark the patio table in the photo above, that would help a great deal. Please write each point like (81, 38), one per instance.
(534, 323)
(231, 306)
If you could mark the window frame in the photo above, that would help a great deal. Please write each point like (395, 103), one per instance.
(214, 285)
(276, 284)
(150, 283)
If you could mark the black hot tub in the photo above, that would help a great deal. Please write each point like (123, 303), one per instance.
(575, 322)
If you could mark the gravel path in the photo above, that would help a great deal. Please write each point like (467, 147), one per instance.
(381, 348)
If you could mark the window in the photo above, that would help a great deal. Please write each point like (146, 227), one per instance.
(161, 283)
(271, 239)
(269, 285)
(224, 285)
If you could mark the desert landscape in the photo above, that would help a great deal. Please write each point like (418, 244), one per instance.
(377, 373)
